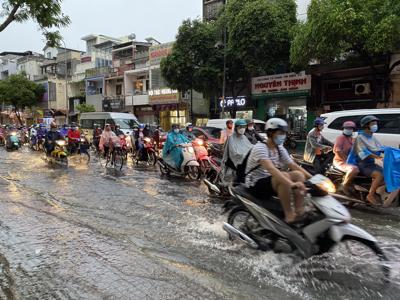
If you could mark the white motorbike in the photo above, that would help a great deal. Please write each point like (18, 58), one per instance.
(189, 167)
(259, 224)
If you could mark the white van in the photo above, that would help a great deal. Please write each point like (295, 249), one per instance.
(221, 123)
(389, 125)
(124, 120)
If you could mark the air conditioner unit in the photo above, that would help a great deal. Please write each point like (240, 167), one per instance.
(362, 89)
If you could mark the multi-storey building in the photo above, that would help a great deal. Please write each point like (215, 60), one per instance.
(8, 62)
(211, 9)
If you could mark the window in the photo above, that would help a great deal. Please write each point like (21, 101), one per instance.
(87, 124)
(389, 124)
(125, 123)
(337, 123)
(118, 89)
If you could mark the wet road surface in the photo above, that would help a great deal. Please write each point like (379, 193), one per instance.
(90, 233)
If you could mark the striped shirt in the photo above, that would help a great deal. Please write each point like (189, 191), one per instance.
(280, 158)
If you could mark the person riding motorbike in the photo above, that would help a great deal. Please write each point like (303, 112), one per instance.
(157, 136)
(96, 136)
(237, 146)
(251, 133)
(64, 130)
(317, 146)
(139, 137)
(341, 149)
(172, 153)
(227, 132)
(51, 137)
(118, 130)
(188, 132)
(106, 140)
(41, 131)
(366, 150)
(74, 137)
(264, 177)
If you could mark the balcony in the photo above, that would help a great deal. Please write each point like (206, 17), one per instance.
(114, 103)
(97, 71)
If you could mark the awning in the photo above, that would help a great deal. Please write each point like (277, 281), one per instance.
(290, 94)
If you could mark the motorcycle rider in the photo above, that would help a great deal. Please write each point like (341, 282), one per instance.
(118, 130)
(157, 136)
(51, 137)
(317, 146)
(227, 132)
(74, 137)
(64, 130)
(41, 132)
(106, 140)
(367, 149)
(96, 136)
(139, 137)
(251, 133)
(343, 145)
(172, 153)
(188, 132)
(264, 177)
(236, 148)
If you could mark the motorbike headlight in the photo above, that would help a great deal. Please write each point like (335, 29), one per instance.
(200, 142)
(13, 133)
(147, 140)
(190, 149)
(61, 143)
(323, 183)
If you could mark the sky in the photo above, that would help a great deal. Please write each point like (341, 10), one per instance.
(145, 18)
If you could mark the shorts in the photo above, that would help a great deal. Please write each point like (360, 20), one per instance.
(367, 168)
(344, 167)
(263, 188)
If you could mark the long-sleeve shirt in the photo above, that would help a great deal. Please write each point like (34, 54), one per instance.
(314, 144)
(366, 145)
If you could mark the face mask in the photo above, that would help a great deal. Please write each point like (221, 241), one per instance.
(73, 128)
(348, 132)
(241, 131)
(374, 128)
(176, 130)
(251, 127)
(321, 127)
(280, 139)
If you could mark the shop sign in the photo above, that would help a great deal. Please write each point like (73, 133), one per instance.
(281, 83)
(240, 101)
(158, 52)
(162, 96)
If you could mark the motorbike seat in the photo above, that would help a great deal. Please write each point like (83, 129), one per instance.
(271, 203)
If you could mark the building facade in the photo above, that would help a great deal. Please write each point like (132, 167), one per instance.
(212, 8)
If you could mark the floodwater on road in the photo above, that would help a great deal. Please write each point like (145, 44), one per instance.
(91, 233)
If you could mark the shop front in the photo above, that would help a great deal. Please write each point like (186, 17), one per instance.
(168, 107)
(284, 96)
(241, 107)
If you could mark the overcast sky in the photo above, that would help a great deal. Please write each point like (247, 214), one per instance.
(157, 18)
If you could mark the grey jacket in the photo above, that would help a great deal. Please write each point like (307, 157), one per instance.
(314, 141)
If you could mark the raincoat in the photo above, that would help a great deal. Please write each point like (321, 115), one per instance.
(173, 155)
(64, 132)
(315, 142)
(364, 146)
(105, 138)
(391, 170)
(236, 148)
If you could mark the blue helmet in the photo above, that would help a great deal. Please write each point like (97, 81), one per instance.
(318, 122)
(41, 125)
(141, 126)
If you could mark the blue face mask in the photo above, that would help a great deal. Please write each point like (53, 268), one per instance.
(280, 139)
(348, 132)
(176, 130)
(374, 128)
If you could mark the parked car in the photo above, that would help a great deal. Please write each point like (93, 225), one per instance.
(389, 125)
(209, 134)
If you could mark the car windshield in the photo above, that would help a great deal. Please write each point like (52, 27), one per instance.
(125, 123)
(213, 132)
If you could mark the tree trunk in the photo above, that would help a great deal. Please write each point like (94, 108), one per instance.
(18, 115)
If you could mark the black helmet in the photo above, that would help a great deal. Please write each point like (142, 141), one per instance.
(368, 119)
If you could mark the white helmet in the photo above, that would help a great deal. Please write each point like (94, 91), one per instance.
(276, 124)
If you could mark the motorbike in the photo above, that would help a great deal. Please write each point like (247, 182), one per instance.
(202, 156)
(190, 167)
(81, 151)
(59, 155)
(12, 141)
(148, 153)
(37, 142)
(259, 224)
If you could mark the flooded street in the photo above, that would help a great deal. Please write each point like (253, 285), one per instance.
(90, 233)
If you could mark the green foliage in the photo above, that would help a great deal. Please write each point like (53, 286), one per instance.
(46, 13)
(85, 108)
(18, 91)
(336, 29)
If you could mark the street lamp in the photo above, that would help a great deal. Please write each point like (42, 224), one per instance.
(66, 81)
(224, 72)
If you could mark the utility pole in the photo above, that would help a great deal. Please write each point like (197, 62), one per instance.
(66, 82)
(224, 73)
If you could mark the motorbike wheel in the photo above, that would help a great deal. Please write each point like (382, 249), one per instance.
(118, 160)
(238, 218)
(194, 172)
(64, 161)
(85, 158)
(152, 159)
(366, 254)
(164, 171)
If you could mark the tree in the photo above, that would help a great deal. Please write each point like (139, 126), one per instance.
(337, 29)
(258, 41)
(19, 92)
(85, 108)
(46, 13)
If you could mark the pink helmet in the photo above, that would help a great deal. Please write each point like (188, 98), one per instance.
(349, 124)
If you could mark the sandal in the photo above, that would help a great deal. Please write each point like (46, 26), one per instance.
(373, 201)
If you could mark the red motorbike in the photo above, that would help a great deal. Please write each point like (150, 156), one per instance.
(148, 153)
(202, 157)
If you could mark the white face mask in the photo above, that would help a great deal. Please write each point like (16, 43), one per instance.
(348, 132)
(241, 131)
(251, 127)
(176, 130)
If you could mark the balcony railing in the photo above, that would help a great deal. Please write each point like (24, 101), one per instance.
(114, 103)
(98, 71)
